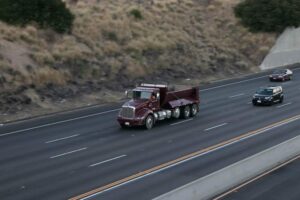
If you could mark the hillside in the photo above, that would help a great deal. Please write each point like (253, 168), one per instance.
(117, 43)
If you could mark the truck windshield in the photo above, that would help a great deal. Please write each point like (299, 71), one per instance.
(141, 95)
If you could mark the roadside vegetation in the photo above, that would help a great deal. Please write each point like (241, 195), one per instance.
(114, 44)
(46, 14)
(268, 15)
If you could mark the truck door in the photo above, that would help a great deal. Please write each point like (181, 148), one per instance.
(154, 101)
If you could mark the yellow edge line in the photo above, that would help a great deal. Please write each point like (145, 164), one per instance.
(116, 183)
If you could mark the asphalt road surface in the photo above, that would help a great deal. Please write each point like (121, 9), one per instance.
(86, 153)
(282, 183)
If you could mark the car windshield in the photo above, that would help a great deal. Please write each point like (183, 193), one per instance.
(279, 71)
(265, 91)
(141, 95)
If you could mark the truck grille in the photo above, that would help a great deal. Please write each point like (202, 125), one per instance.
(127, 112)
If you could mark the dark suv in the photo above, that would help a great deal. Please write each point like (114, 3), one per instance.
(268, 95)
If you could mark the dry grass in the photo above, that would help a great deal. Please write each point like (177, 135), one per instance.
(47, 75)
(173, 39)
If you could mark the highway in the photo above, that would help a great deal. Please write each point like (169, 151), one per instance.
(281, 183)
(84, 154)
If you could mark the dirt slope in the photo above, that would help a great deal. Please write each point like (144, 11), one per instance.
(117, 43)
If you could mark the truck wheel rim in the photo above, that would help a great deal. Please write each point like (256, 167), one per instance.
(149, 122)
(176, 113)
(187, 112)
(194, 110)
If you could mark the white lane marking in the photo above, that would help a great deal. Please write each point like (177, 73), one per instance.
(256, 178)
(237, 95)
(243, 81)
(64, 138)
(67, 153)
(59, 122)
(234, 83)
(249, 103)
(214, 127)
(181, 122)
(105, 161)
(36, 127)
(191, 158)
(284, 105)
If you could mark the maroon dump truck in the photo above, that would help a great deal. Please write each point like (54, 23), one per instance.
(152, 102)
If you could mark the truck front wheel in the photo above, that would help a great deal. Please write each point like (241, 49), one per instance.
(149, 123)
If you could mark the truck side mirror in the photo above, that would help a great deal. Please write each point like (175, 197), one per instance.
(157, 95)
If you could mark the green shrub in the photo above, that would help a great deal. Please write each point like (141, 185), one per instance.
(268, 15)
(46, 13)
(136, 14)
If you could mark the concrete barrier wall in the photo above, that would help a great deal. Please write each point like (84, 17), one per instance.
(224, 179)
(285, 51)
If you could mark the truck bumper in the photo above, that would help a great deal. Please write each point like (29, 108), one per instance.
(130, 122)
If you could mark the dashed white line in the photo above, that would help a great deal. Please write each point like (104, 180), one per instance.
(181, 122)
(260, 131)
(234, 83)
(64, 138)
(105, 161)
(237, 95)
(59, 122)
(109, 111)
(67, 153)
(214, 127)
(284, 105)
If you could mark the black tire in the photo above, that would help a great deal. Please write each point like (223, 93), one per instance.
(186, 112)
(149, 122)
(176, 113)
(271, 80)
(290, 77)
(254, 104)
(281, 99)
(271, 103)
(194, 110)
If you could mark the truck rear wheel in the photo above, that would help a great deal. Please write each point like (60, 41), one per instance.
(194, 110)
(176, 113)
(149, 123)
(186, 112)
